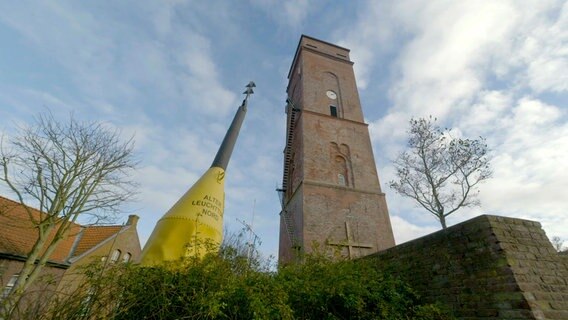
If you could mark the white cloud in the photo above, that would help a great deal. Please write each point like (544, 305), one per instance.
(529, 162)
(175, 63)
(542, 46)
(479, 67)
(533, 113)
(444, 64)
(372, 36)
(388, 132)
(35, 101)
(296, 11)
(405, 231)
(161, 186)
(286, 13)
(482, 116)
(450, 49)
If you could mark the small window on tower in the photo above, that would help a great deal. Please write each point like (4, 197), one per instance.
(341, 179)
(333, 111)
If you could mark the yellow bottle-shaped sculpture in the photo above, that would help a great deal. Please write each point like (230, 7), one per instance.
(194, 225)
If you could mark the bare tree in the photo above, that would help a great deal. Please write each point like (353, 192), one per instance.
(438, 171)
(66, 171)
(557, 243)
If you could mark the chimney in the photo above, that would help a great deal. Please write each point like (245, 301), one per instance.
(132, 220)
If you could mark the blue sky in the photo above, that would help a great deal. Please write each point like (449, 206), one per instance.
(171, 73)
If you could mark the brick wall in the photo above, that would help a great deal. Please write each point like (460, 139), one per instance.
(486, 268)
(39, 293)
(126, 241)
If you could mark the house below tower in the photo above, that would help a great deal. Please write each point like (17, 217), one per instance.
(84, 244)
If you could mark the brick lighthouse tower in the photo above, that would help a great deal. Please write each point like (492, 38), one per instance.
(330, 191)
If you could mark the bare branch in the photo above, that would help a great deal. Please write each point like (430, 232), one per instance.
(65, 170)
(439, 171)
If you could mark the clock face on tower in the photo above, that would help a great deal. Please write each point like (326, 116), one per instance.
(331, 95)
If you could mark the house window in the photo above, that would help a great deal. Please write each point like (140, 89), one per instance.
(333, 111)
(9, 286)
(115, 256)
(126, 257)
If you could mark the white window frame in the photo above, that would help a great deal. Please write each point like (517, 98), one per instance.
(9, 286)
(115, 256)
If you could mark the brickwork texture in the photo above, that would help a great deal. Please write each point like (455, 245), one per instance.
(332, 195)
(489, 267)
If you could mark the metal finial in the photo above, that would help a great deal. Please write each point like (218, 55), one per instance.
(226, 148)
(249, 87)
(248, 92)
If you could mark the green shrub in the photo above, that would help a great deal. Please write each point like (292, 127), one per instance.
(322, 289)
(432, 312)
(211, 288)
(232, 285)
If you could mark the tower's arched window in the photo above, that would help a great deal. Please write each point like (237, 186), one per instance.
(340, 164)
(126, 257)
(341, 179)
(340, 169)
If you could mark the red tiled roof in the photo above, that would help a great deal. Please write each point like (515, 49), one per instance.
(93, 236)
(18, 234)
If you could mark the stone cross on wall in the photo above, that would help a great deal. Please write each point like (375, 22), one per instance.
(349, 242)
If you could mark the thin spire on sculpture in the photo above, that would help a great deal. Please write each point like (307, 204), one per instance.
(194, 225)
